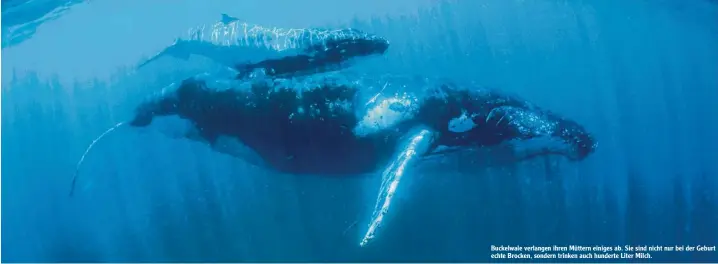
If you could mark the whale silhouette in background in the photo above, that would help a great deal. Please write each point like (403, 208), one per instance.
(278, 52)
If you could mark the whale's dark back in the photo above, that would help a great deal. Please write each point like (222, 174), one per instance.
(307, 133)
(334, 53)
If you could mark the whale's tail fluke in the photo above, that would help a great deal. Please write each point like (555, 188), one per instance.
(82, 158)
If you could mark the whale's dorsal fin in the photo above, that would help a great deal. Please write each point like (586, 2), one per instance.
(226, 19)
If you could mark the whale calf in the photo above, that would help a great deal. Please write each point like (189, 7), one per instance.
(275, 51)
(340, 124)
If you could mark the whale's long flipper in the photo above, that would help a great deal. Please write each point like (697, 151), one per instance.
(417, 143)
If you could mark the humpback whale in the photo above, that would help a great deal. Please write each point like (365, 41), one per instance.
(340, 124)
(274, 51)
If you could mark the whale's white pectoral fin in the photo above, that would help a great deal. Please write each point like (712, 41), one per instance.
(416, 144)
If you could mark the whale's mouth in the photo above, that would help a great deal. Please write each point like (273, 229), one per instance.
(545, 146)
(507, 153)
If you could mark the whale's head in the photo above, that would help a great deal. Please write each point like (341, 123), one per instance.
(541, 132)
(361, 43)
(581, 143)
(350, 43)
(485, 118)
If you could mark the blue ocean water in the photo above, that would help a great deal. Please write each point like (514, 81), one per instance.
(641, 75)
